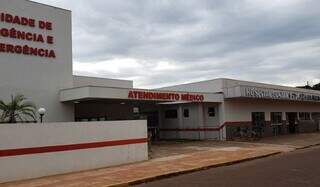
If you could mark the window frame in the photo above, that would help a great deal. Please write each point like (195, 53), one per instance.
(186, 113)
(210, 112)
(171, 114)
(304, 116)
(275, 118)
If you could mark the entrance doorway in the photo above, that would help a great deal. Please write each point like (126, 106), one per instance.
(292, 119)
(153, 124)
(258, 122)
(114, 109)
(316, 118)
(152, 119)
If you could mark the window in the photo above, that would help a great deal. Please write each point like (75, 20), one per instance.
(186, 113)
(258, 119)
(171, 114)
(276, 118)
(304, 116)
(136, 110)
(211, 111)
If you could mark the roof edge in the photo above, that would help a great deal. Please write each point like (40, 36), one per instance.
(102, 78)
(48, 5)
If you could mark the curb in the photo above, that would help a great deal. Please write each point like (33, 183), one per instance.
(308, 146)
(173, 174)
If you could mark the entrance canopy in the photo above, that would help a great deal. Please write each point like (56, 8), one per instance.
(96, 92)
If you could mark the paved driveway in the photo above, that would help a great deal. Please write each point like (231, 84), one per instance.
(298, 168)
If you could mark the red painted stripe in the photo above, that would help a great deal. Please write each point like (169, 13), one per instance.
(236, 123)
(71, 147)
(194, 129)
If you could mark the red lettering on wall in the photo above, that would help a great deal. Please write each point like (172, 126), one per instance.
(25, 35)
(21, 35)
(8, 18)
(9, 48)
(49, 39)
(45, 25)
(39, 38)
(26, 50)
(52, 54)
(2, 47)
(49, 26)
(130, 95)
(144, 95)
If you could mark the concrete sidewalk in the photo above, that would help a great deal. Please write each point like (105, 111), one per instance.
(173, 158)
(297, 140)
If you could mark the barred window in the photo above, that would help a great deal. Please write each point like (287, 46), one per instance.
(186, 113)
(171, 114)
(276, 117)
(304, 116)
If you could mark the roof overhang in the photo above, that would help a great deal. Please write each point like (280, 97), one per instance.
(96, 92)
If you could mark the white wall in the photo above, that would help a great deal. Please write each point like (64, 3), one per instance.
(98, 92)
(240, 110)
(191, 122)
(211, 86)
(166, 123)
(19, 136)
(211, 121)
(191, 127)
(79, 81)
(39, 79)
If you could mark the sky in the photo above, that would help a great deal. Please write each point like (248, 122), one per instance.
(158, 43)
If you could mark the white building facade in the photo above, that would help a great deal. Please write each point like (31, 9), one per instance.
(29, 30)
(36, 60)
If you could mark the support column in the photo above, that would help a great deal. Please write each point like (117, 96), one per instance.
(222, 119)
(180, 121)
(201, 122)
(160, 122)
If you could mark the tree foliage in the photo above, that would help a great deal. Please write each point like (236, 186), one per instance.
(17, 109)
(314, 87)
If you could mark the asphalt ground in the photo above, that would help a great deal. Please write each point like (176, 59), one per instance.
(298, 168)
